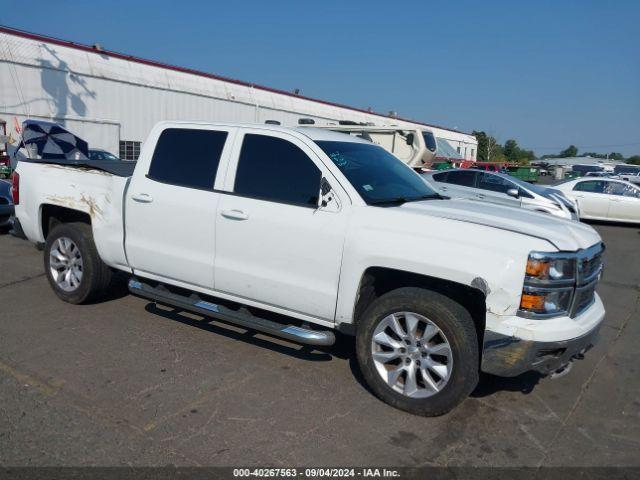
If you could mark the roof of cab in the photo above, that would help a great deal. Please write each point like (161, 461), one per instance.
(322, 135)
(315, 134)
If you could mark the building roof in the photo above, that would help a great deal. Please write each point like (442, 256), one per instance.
(578, 161)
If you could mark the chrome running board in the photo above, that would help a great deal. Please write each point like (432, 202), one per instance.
(195, 304)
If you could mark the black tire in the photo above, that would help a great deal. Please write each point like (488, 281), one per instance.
(456, 324)
(96, 276)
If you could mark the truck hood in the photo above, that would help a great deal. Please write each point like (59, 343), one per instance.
(565, 235)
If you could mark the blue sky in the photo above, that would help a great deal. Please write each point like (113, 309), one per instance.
(547, 73)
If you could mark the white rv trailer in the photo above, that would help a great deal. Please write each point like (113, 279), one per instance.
(414, 146)
(113, 100)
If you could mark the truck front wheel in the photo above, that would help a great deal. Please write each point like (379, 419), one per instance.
(418, 351)
(72, 264)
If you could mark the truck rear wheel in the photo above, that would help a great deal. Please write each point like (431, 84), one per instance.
(72, 264)
(418, 351)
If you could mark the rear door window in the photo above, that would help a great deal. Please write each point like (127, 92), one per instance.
(187, 157)
(275, 169)
(464, 178)
(621, 189)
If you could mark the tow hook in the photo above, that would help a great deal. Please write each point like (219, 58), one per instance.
(566, 368)
(562, 371)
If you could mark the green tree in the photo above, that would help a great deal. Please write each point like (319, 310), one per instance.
(515, 154)
(571, 151)
(481, 137)
(634, 160)
(488, 148)
(511, 150)
(616, 156)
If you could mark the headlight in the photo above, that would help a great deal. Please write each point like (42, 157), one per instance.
(548, 285)
(550, 268)
(560, 283)
(546, 302)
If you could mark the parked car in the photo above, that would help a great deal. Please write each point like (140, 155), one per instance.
(501, 189)
(6, 205)
(95, 154)
(604, 198)
(323, 231)
(630, 177)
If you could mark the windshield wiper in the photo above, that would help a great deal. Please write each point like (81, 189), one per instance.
(433, 196)
(390, 201)
(402, 200)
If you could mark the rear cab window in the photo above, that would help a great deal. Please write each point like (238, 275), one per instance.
(187, 157)
(276, 170)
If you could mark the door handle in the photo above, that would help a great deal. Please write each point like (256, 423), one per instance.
(142, 198)
(481, 195)
(444, 189)
(234, 214)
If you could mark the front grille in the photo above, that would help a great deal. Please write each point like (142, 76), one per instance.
(589, 266)
(583, 299)
(589, 269)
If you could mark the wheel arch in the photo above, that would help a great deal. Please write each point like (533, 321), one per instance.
(376, 281)
(52, 215)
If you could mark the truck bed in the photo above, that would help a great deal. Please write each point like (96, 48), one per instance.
(114, 167)
(95, 188)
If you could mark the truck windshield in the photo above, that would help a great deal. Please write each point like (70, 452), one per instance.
(379, 177)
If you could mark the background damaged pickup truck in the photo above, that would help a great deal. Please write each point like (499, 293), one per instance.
(297, 233)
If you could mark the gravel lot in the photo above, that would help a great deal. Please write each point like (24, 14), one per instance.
(123, 382)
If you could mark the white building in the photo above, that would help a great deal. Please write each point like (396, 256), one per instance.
(112, 100)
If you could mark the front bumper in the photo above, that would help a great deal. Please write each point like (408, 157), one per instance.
(526, 349)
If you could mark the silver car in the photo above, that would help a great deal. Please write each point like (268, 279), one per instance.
(501, 189)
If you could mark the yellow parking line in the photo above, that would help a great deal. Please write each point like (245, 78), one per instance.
(48, 389)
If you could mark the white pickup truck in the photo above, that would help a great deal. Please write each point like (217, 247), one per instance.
(298, 233)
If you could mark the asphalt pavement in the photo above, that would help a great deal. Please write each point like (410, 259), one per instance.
(123, 382)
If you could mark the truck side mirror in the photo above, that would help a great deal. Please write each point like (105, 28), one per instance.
(513, 192)
(325, 188)
(329, 201)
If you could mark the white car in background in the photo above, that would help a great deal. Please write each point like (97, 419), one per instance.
(502, 189)
(604, 198)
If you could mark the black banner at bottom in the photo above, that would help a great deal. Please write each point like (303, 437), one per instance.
(402, 473)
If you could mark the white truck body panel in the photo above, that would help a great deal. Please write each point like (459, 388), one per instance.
(304, 262)
(96, 193)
